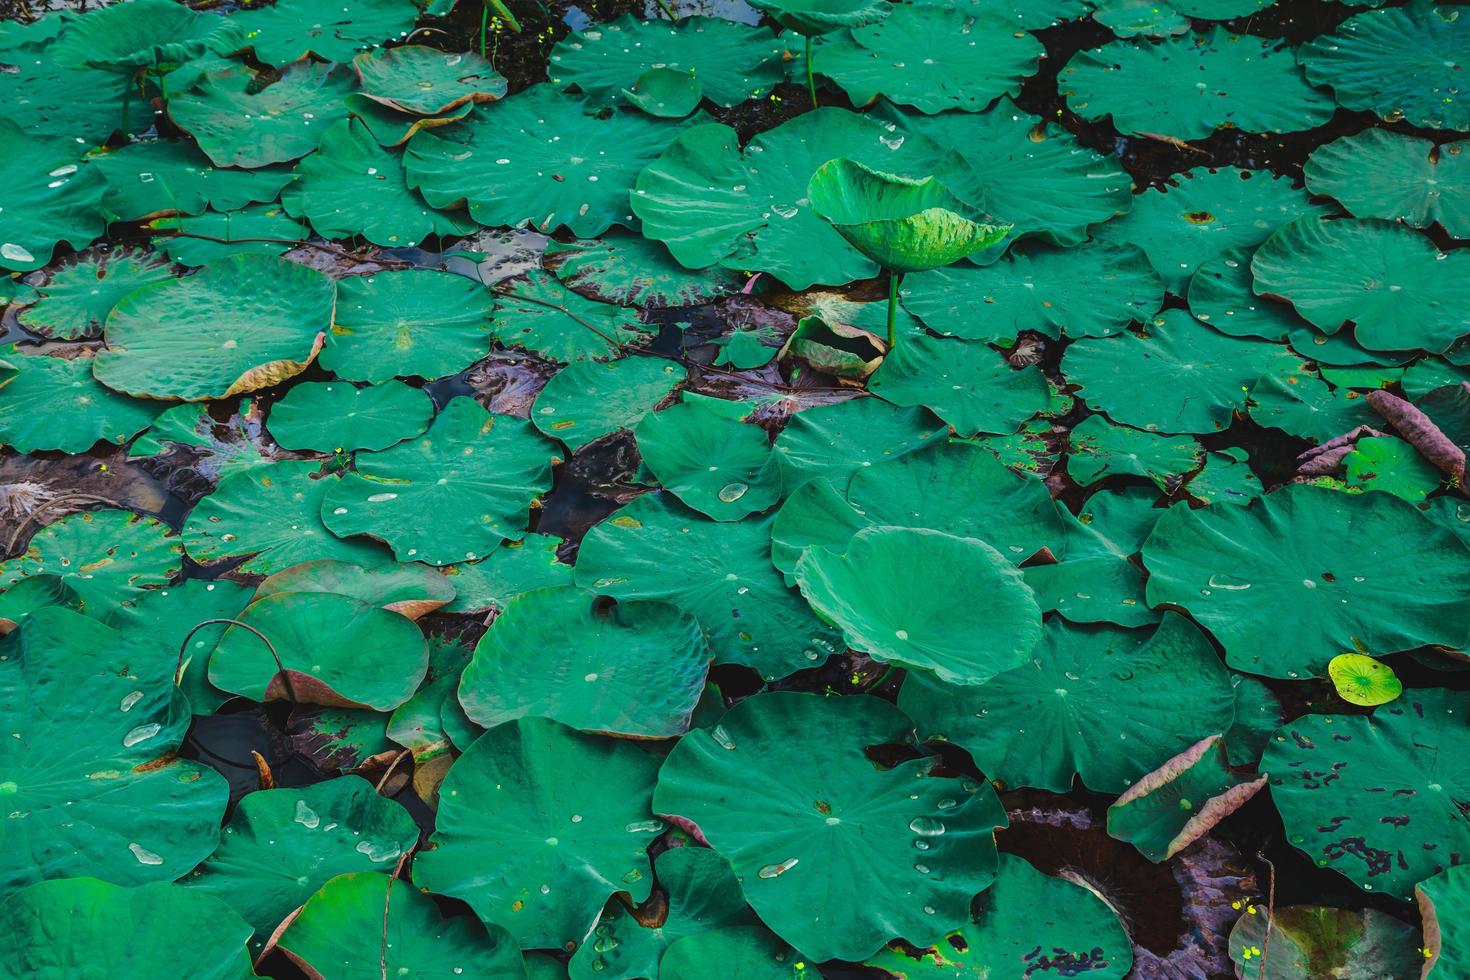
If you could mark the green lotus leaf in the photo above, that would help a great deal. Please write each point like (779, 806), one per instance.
(1306, 573)
(1401, 64)
(541, 315)
(216, 449)
(49, 101)
(665, 93)
(630, 270)
(1103, 703)
(1095, 579)
(1292, 398)
(751, 209)
(333, 416)
(95, 724)
(1031, 450)
(964, 639)
(239, 324)
(337, 650)
(560, 167)
(1392, 466)
(1181, 801)
(335, 931)
(339, 740)
(410, 590)
(513, 568)
(271, 514)
(52, 403)
(1377, 798)
(238, 126)
(1439, 899)
(812, 17)
(415, 322)
(745, 350)
(205, 238)
(1027, 14)
(1093, 290)
(1188, 86)
(1204, 213)
(83, 927)
(728, 62)
(1226, 478)
(289, 30)
(964, 382)
(587, 400)
(721, 573)
(143, 34)
(1131, 18)
(51, 196)
(450, 495)
(1361, 680)
(559, 653)
(1381, 174)
(748, 952)
(1025, 921)
(720, 467)
(281, 845)
(1309, 941)
(103, 556)
(931, 58)
(76, 299)
(834, 854)
(1177, 375)
(1258, 714)
(835, 441)
(1099, 449)
(1391, 282)
(417, 724)
(152, 178)
(393, 128)
(426, 81)
(533, 851)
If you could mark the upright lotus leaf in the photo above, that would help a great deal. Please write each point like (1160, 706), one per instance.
(1382, 174)
(54, 403)
(411, 590)
(1441, 899)
(94, 726)
(628, 269)
(1310, 941)
(541, 315)
(450, 495)
(533, 850)
(76, 299)
(352, 186)
(721, 573)
(538, 159)
(1305, 573)
(51, 197)
(720, 467)
(271, 515)
(1403, 63)
(1392, 466)
(1397, 289)
(1204, 213)
(1092, 290)
(1377, 798)
(333, 416)
(1024, 924)
(143, 34)
(875, 593)
(1095, 579)
(103, 556)
(414, 322)
(1098, 450)
(201, 239)
(635, 669)
(931, 58)
(1181, 801)
(1177, 375)
(587, 400)
(833, 347)
(332, 935)
(238, 126)
(283, 844)
(834, 441)
(964, 382)
(729, 62)
(513, 568)
(1361, 680)
(816, 17)
(83, 927)
(1293, 398)
(1188, 86)
(237, 325)
(836, 855)
(1103, 703)
(152, 178)
(426, 81)
(291, 29)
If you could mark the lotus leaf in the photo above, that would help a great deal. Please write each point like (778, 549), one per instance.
(1130, 18)
(1027, 14)
(748, 952)
(1099, 450)
(83, 927)
(417, 322)
(836, 855)
(216, 449)
(541, 315)
(1310, 941)
(95, 724)
(1226, 478)
(393, 128)
(201, 239)
(51, 196)
(1402, 63)
(1291, 397)
(720, 467)
(513, 568)
(143, 34)
(1305, 573)
(239, 324)
(103, 556)
(76, 299)
(966, 383)
(1104, 703)
(532, 850)
(410, 590)
(1439, 898)
(835, 441)
(719, 572)
(590, 399)
(427, 81)
(333, 416)
(1392, 466)
(1429, 373)
(151, 178)
(52, 403)
(1396, 288)
(1096, 579)
(291, 29)
(238, 126)
(1362, 680)
(339, 740)
(1258, 714)
(814, 17)
(1377, 798)
(417, 724)
(1382, 174)
(628, 269)
(46, 100)
(744, 349)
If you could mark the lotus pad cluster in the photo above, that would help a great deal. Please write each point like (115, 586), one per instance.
(883, 489)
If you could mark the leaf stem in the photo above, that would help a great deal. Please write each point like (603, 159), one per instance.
(811, 84)
(504, 11)
(280, 668)
(893, 281)
(665, 8)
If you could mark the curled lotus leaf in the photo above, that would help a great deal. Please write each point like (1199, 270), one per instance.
(813, 17)
(1382, 174)
(52, 196)
(411, 590)
(393, 128)
(965, 382)
(334, 416)
(139, 34)
(723, 468)
(1441, 899)
(1361, 680)
(426, 81)
(1311, 941)
(237, 126)
(76, 298)
(55, 403)
(103, 556)
(289, 30)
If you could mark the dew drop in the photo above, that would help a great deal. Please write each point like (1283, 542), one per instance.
(141, 734)
(927, 826)
(732, 492)
(777, 870)
(144, 855)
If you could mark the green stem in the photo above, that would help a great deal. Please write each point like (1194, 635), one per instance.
(811, 84)
(893, 280)
(504, 11)
(484, 19)
(665, 8)
(127, 102)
